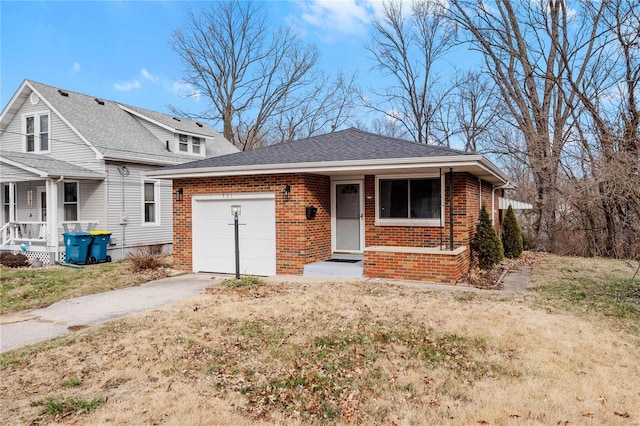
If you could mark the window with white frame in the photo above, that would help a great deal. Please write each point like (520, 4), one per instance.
(36, 132)
(70, 201)
(411, 200)
(183, 143)
(195, 145)
(191, 144)
(150, 202)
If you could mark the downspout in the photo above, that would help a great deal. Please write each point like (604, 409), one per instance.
(479, 194)
(451, 209)
(441, 214)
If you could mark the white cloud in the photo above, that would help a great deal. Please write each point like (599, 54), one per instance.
(145, 74)
(130, 85)
(184, 90)
(336, 18)
(76, 67)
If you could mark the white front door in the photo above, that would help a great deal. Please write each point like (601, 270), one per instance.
(348, 216)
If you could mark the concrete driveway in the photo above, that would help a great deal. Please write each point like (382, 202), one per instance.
(24, 328)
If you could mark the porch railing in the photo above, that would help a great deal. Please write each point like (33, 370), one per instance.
(35, 233)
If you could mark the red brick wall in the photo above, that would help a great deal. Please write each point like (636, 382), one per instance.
(431, 267)
(298, 240)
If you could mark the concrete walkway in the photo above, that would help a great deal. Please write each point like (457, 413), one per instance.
(27, 327)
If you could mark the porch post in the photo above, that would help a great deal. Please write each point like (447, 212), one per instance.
(52, 218)
(12, 202)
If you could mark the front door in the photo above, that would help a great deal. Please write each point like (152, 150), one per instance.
(42, 204)
(348, 215)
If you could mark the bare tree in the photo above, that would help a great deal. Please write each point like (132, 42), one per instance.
(406, 48)
(249, 76)
(525, 44)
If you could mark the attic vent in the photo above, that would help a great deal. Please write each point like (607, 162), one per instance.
(176, 118)
(198, 124)
(99, 101)
(63, 93)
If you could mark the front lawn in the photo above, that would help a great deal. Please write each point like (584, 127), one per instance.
(28, 288)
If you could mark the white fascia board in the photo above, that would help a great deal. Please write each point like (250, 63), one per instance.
(147, 118)
(164, 126)
(99, 155)
(38, 172)
(9, 111)
(333, 167)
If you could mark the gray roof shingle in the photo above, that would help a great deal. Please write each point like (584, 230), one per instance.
(345, 145)
(115, 132)
(51, 167)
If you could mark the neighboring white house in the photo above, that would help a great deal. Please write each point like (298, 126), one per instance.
(73, 162)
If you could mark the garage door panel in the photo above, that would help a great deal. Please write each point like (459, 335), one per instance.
(214, 240)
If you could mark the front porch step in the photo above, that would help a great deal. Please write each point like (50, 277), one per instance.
(334, 269)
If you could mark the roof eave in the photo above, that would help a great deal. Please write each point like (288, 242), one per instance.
(378, 165)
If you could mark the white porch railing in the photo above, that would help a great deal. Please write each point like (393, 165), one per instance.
(35, 233)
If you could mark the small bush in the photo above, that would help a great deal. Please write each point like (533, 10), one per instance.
(511, 235)
(144, 258)
(486, 243)
(11, 260)
(246, 281)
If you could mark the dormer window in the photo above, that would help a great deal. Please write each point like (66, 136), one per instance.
(184, 143)
(36, 133)
(191, 144)
(195, 145)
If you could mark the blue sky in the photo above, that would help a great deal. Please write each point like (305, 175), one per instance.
(119, 50)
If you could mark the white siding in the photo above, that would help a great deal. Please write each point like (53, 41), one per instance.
(124, 197)
(162, 134)
(64, 143)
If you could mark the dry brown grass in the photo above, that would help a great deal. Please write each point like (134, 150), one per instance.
(363, 353)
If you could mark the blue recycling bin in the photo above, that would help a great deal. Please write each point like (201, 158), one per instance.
(99, 246)
(77, 246)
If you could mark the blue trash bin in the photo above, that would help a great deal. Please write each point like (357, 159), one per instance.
(99, 246)
(77, 246)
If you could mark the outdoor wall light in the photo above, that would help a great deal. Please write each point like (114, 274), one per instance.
(179, 192)
(235, 210)
(287, 192)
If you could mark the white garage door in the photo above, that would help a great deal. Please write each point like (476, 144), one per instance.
(214, 240)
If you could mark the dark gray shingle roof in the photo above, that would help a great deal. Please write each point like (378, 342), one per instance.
(345, 145)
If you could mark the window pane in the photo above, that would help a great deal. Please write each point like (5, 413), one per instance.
(149, 212)
(70, 212)
(149, 193)
(71, 192)
(44, 123)
(425, 198)
(184, 146)
(44, 133)
(394, 198)
(44, 141)
(30, 143)
(30, 125)
(196, 145)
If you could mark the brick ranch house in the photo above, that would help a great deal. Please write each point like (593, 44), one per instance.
(408, 211)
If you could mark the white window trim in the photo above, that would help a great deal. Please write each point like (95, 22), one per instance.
(189, 151)
(410, 222)
(36, 131)
(156, 201)
(63, 203)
